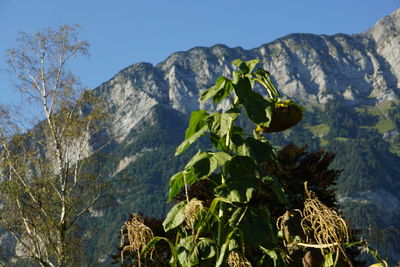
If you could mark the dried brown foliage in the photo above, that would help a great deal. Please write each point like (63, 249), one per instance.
(137, 234)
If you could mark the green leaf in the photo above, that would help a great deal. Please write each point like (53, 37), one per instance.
(175, 184)
(226, 122)
(214, 123)
(222, 158)
(153, 242)
(251, 64)
(220, 124)
(175, 217)
(204, 164)
(237, 62)
(223, 93)
(236, 76)
(237, 189)
(243, 150)
(242, 89)
(257, 228)
(200, 164)
(261, 151)
(275, 255)
(215, 89)
(196, 122)
(242, 167)
(185, 144)
(211, 214)
(235, 140)
(177, 181)
(258, 109)
(225, 248)
(241, 182)
(188, 251)
(276, 188)
(218, 142)
(207, 247)
(197, 157)
(245, 67)
(236, 217)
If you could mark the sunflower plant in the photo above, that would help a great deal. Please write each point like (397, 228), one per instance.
(230, 229)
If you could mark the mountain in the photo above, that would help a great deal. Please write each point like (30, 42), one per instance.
(349, 84)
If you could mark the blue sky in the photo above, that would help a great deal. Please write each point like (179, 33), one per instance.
(123, 32)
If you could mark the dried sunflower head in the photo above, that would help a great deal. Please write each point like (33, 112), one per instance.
(285, 115)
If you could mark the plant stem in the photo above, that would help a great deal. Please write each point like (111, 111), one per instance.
(220, 221)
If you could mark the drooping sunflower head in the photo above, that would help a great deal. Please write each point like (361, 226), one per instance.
(285, 115)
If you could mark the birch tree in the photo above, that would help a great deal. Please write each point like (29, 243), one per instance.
(46, 178)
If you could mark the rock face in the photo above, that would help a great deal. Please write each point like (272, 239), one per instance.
(360, 68)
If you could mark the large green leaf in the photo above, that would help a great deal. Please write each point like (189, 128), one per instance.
(258, 109)
(188, 251)
(226, 122)
(175, 217)
(177, 181)
(214, 123)
(235, 140)
(220, 124)
(245, 67)
(185, 144)
(204, 164)
(197, 157)
(261, 151)
(212, 91)
(251, 64)
(175, 184)
(223, 93)
(236, 76)
(200, 164)
(237, 216)
(218, 142)
(207, 247)
(237, 62)
(243, 89)
(237, 189)
(222, 158)
(276, 188)
(242, 167)
(196, 122)
(257, 228)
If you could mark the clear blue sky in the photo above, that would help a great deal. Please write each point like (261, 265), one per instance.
(123, 32)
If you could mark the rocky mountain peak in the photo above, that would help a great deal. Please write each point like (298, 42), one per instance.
(386, 34)
(388, 26)
(358, 69)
